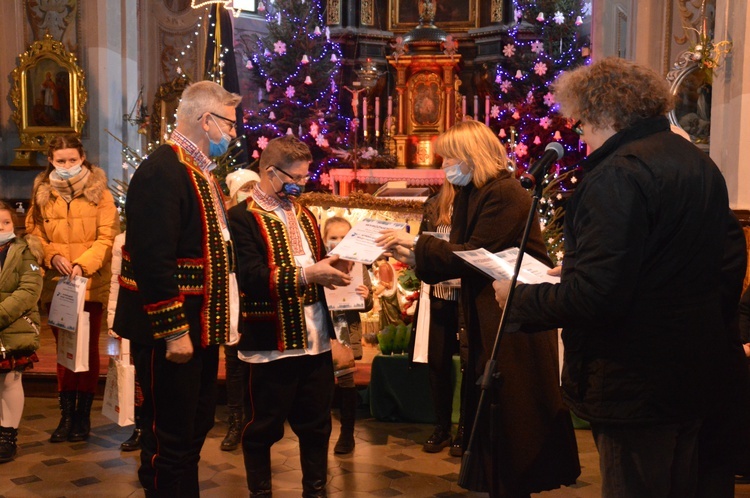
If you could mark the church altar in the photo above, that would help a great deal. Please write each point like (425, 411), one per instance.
(342, 178)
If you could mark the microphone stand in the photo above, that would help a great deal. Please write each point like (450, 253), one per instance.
(490, 375)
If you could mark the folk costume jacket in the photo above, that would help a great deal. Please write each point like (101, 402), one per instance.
(269, 279)
(175, 262)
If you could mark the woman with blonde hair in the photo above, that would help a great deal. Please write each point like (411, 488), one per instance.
(532, 439)
(74, 215)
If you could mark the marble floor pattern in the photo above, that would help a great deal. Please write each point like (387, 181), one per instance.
(388, 461)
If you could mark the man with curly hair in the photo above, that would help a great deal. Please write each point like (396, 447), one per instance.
(653, 268)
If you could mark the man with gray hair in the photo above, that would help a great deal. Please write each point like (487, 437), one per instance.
(174, 302)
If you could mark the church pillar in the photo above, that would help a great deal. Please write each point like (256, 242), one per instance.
(730, 108)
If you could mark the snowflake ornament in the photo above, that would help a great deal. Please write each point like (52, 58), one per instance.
(521, 149)
(494, 111)
(505, 86)
(289, 92)
(540, 68)
(549, 99)
(559, 255)
(262, 143)
(573, 180)
(321, 141)
(279, 47)
(544, 122)
(537, 47)
(586, 11)
(509, 50)
(559, 17)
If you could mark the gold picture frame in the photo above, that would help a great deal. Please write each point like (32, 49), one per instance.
(453, 16)
(49, 96)
(166, 100)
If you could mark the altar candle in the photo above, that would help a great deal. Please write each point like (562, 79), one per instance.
(476, 107)
(390, 106)
(487, 110)
(377, 117)
(463, 106)
(364, 117)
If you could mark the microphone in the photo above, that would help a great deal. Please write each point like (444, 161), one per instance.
(536, 173)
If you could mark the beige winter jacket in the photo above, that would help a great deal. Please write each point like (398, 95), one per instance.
(81, 231)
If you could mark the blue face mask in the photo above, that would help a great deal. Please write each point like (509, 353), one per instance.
(454, 175)
(216, 149)
(289, 189)
(65, 174)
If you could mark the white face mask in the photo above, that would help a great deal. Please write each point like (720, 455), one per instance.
(454, 175)
(6, 237)
(66, 173)
(241, 196)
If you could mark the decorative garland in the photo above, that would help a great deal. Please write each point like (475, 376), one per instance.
(361, 200)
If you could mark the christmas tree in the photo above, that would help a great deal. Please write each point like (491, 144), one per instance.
(543, 42)
(295, 67)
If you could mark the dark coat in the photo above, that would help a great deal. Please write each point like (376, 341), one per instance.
(536, 445)
(166, 257)
(641, 298)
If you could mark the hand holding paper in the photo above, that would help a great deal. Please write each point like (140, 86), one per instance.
(360, 244)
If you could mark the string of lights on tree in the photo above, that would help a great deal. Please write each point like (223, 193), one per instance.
(295, 67)
(543, 42)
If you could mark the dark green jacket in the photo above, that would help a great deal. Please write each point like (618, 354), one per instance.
(20, 288)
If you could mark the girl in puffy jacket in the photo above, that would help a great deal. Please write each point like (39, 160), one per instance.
(74, 214)
(20, 287)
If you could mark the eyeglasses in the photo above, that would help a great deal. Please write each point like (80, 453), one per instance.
(577, 127)
(230, 122)
(296, 179)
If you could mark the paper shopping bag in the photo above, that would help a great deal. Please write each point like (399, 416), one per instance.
(118, 404)
(67, 303)
(422, 337)
(73, 347)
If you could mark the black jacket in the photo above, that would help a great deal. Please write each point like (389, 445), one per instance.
(641, 297)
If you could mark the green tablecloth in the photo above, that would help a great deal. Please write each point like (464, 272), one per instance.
(400, 393)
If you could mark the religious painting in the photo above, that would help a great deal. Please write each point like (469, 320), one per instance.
(450, 15)
(48, 94)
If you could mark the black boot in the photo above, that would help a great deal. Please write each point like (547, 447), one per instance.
(82, 419)
(8, 447)
(349, 399)
(234, 433)
(314, 462)
(439, 439)
(67, 408)
(258, 471)
(134, 441)
(457, 446)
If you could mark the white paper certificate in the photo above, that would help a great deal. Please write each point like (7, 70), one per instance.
(67, 303)
(346, 298)
(359, 244)
(500, 265)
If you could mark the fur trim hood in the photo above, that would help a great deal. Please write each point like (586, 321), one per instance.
(35, 246)
(94, 189)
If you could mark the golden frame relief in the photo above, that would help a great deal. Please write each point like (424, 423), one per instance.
(425, 103)
(48, 95)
